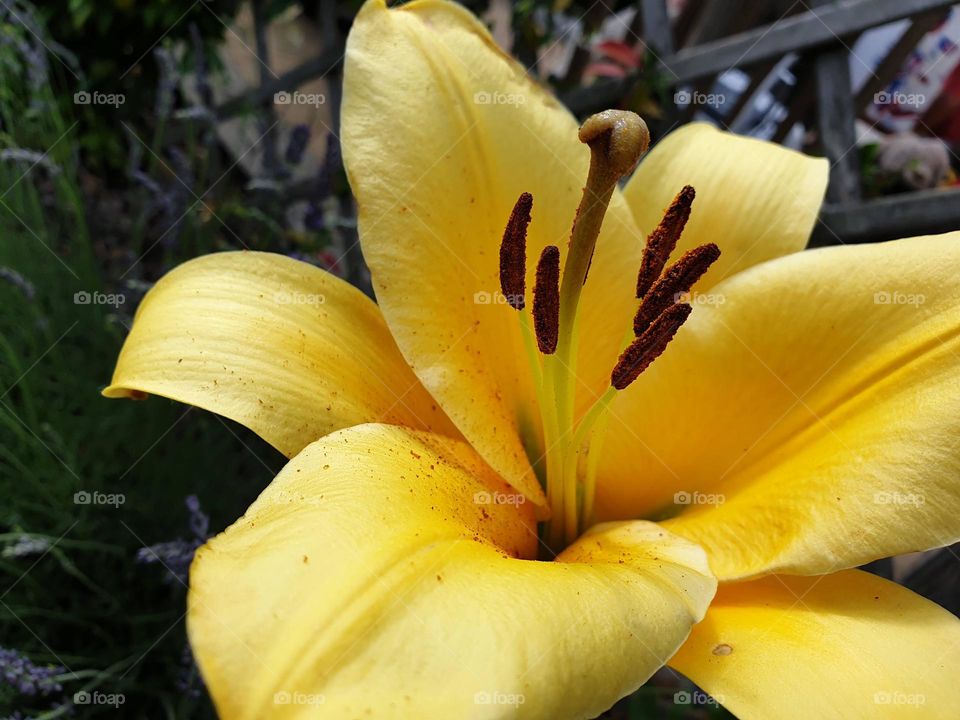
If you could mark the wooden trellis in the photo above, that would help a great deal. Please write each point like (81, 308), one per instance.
(721, 35)
(821, 34)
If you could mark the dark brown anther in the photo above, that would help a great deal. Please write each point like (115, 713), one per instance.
(649, 346)
(673, 284)
(513, 252)
(663, 240)
(546, 300)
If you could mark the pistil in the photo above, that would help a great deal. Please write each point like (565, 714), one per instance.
(617, 140)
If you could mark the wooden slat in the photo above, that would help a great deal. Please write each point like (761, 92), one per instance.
(657, 30)
(722, 18)
(836, 119)
(798, 32)
(270, 160)
(891, 217)
(939, 579)
(801, 102)
(316, 67)
(757, 75)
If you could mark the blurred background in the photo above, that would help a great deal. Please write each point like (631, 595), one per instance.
(136, 136)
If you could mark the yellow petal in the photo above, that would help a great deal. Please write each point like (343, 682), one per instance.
(382, 573)
(755, 200)
(816, 410)
(278, 345)
(442, 132)
(843, 646)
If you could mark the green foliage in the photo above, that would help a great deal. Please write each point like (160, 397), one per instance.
(84, 603)
(112, 35)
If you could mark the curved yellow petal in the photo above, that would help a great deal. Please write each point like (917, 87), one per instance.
(843, 646)
(442, 132)
(383, 573)
(810, 422)
(280, 346)
(756, 200)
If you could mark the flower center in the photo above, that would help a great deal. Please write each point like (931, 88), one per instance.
(617, 140)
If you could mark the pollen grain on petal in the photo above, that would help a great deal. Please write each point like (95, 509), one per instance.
(663, 240)
(513, 252)
(648, 347)
(546, 300)
(674, 283)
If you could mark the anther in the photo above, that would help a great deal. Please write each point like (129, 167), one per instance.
(513, 252)
(546, 300)
(663, 240)
(675, 282)
(649, 346)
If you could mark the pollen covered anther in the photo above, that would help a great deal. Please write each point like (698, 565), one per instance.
(649, 346)
(546, 300)
(674, 283)
(663, 240)
(513, 253)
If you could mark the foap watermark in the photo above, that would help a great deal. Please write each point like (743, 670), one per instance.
(895, 697)
(887, 497)
(85, 697)
(498, 698)
(95, 497)
(886, 297)
(86, 97)
(900, 99)
(83, 297)
(700, 298)
(698, 498)
(683, 98)
(498, 498)
(299, 298)
(299, 98)
(695, 697)
(298, 698)
(483, 297)
(498, 98)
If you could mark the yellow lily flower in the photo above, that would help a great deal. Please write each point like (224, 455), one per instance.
(706, 514)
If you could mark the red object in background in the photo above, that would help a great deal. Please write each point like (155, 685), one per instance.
(943, 117)
(618, 59)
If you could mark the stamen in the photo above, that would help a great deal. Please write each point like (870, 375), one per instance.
(663, 240)
(676, 281)
(546, 300)
(648, 347)
(513, 253)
